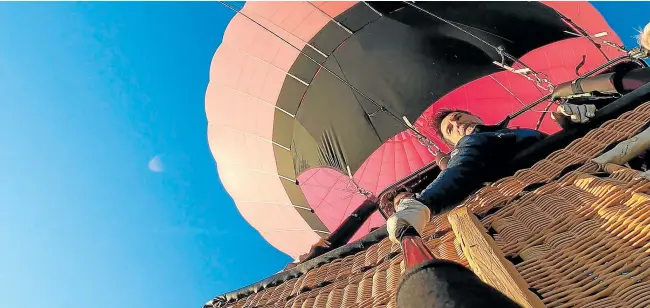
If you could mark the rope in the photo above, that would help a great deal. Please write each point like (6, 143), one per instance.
(594, 38)
(360, 190)
(424, 142)
(586, 35)
(527, 71)
(539, 81)
(512, 94)
(429, 144)
(279, 27)
(381, 107)
(635, 54)
(609, 63)
(542, 83)
(541, 117)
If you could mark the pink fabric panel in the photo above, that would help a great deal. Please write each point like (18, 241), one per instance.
(240, 150)
(296, 22)
(330, 194)
(394, 160)
(243, 113)
(252, 61)
(264, 205)
(334, 8)
(403, 154)
(265, 187)
(333, 199)
(271, 217)
(246, 77)
(586, 16)
(490, 100)
(290, 241)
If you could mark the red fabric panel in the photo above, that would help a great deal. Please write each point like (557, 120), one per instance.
(331, 195)
(585, 15)
(246, 77)
(486, 97)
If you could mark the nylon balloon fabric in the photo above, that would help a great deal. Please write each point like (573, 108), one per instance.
(284, 130)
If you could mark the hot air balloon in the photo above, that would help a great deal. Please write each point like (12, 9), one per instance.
(314, 106)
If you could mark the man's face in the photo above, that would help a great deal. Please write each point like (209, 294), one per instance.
(457, 125)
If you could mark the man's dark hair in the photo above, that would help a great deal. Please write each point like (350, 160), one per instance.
(436, 122)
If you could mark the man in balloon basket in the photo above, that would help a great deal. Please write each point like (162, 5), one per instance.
(480, 154)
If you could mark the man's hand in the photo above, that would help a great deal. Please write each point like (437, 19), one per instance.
(321, 243)
(410, 212)
(577, 113)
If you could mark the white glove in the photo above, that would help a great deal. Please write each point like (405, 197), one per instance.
(409, 212)
(577, 113)
(644, 37)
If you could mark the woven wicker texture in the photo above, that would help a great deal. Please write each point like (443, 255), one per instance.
(582, 236)
(366, 279)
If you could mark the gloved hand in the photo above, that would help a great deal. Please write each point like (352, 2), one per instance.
(577, 113)
(409, 212)
(644, 37)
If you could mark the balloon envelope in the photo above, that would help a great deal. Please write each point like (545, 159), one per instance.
(285, 126)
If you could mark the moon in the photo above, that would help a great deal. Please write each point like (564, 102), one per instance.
(155, 164)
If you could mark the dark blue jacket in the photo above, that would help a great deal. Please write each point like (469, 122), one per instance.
(477, 158)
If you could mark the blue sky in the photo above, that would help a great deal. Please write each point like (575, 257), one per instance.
(90, 93)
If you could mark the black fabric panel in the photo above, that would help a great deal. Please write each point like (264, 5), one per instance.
(298, 198)
(357, 17)
(308, 154)
(304, 68)
(408, 60)
(387, 7)
(283, 125)
(291, 95)
(305, 150)
(405, 61)
(332, 116)
(518, 26)
(405, 70)
(289, 100)
(284, 163)
(330, 37)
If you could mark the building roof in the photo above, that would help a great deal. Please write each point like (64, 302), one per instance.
(575, 233)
